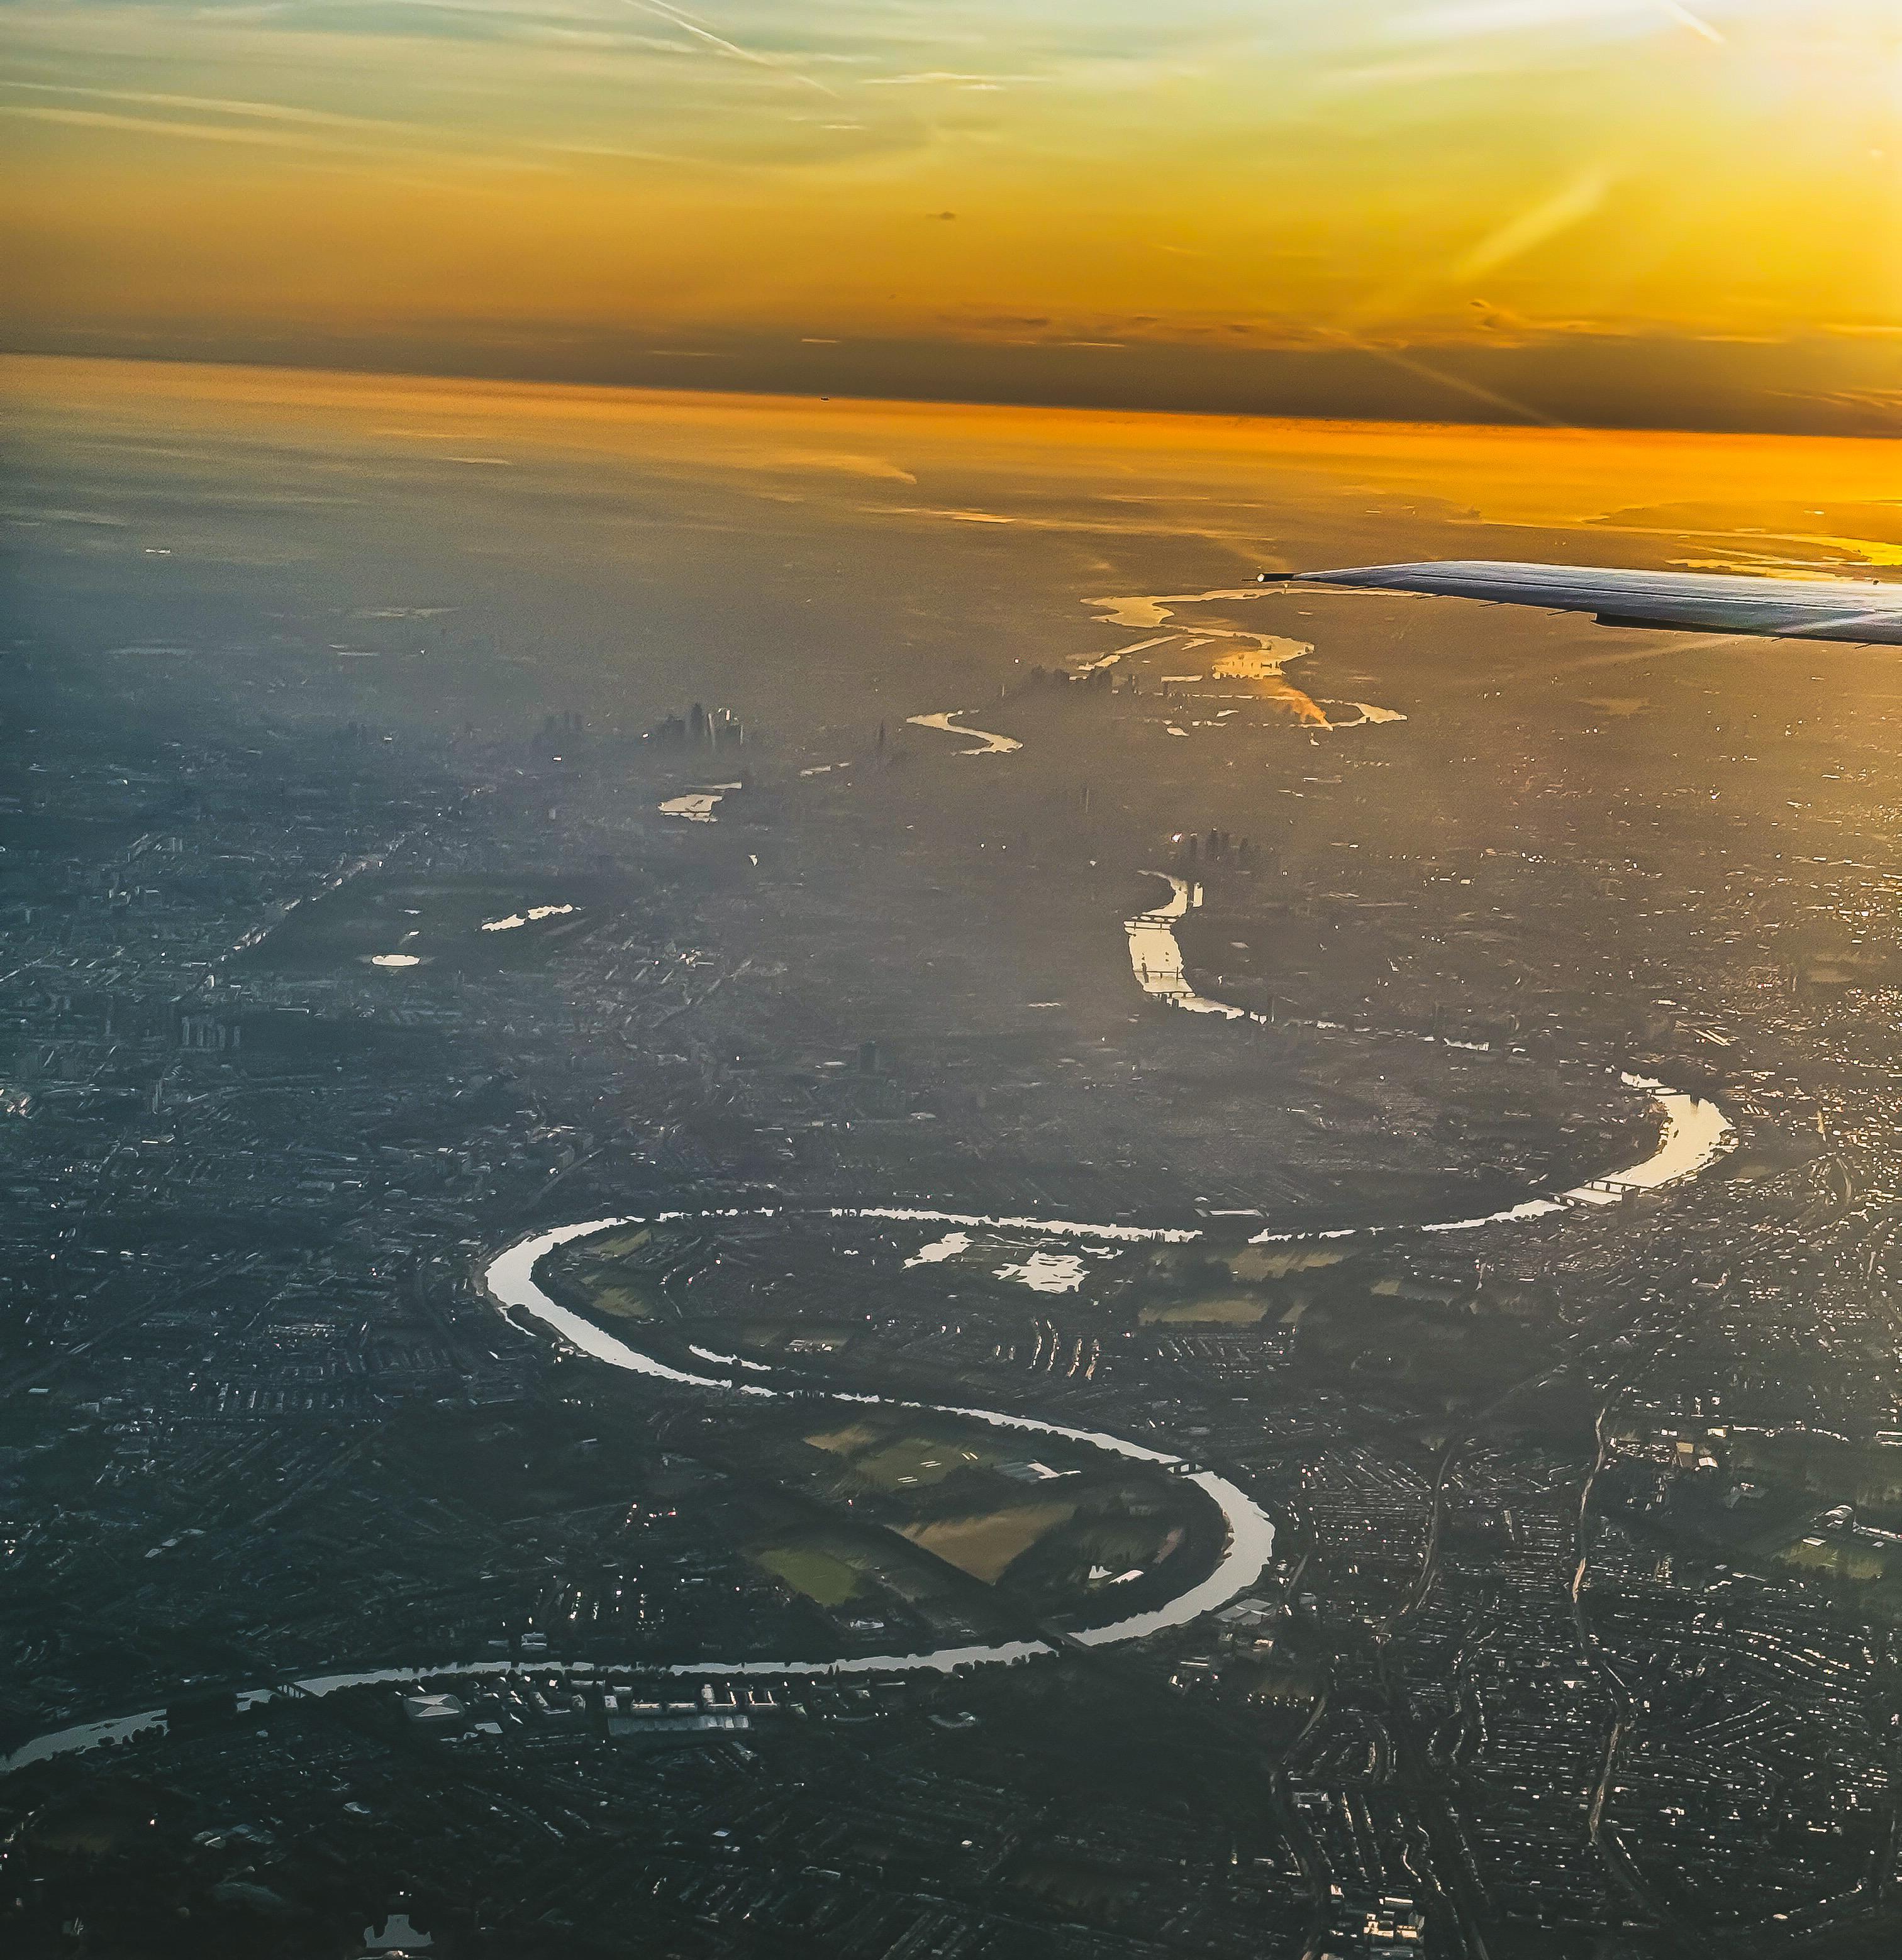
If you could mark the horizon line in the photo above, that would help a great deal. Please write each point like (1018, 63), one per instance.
(1519, 419)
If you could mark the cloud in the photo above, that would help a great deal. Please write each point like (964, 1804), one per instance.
(928, 511)
(620, 152)
(848, 463)
(688, 24)
(20, 514)
(946, 79)
(268, 111)
(201, 133)
(1695, 22)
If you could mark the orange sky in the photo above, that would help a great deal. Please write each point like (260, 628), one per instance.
(1501, 208)
(875, 452)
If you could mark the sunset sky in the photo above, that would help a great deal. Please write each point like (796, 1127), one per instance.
(1624, 210)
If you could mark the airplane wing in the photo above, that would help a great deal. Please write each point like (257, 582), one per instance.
(1684, 602)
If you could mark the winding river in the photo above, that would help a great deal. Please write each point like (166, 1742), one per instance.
(509, 1280)
(1694, 1134)
(948, 724)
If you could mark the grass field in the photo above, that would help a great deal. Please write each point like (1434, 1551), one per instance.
(900, 1462)
(1120, 1542)
(618, 1244)
(1846, 1561)
(624, 1292)
(819, 1576)
(917, 1459)
(623, 1302)
(1220, 1309)
(845, 1442)
(1257, 1262)
(985, 1546)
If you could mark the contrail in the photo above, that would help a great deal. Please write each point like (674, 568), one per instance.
(1421, 371)
(1479, 393)
(689, 26)
(1686, 18)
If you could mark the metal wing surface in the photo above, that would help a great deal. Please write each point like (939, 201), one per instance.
(1687, 602)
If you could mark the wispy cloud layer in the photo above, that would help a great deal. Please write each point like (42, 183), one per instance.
(1398, 176)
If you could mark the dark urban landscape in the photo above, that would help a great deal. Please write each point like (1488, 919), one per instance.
(1205, 1321)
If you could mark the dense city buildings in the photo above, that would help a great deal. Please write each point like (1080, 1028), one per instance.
(1204, 1318)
